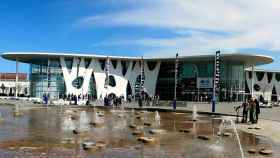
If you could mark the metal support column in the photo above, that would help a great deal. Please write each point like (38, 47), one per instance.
(16, 85)
(195, 69)
(107, 73)
(253, 81)
(214, 92)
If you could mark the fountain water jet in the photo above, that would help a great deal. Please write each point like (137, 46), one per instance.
(238, 139)
(232, 124)
(157, 125)
(122, 112)
(68, 124)
(157, 119)
(194, 114)
(83, 121)
(96, 121)
(16, 111)
(1, 117)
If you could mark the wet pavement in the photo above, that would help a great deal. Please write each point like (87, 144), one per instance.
(48, 132)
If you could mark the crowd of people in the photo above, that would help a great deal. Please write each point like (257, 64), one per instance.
(251, 108)
(142, 100)
(75, 98)
(113, 100)
(146, 100)
(72, 98)
(108, 100)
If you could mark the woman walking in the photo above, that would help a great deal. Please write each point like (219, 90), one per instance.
(252, 106)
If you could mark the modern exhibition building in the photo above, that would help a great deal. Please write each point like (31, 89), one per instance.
(60, 74)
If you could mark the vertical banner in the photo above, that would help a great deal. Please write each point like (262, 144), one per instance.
(176, 75)
(49, 73)
(216, 79)
(175, 81)
(217, 73)
(77, 75)
(142, 73)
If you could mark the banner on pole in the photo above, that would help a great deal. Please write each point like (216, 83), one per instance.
(176, 69)
(142, 75)
(49, 74)
(107, 66)
(217, 72)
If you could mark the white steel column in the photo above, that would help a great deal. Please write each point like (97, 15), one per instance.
(107, 71)
(16, 85)
(253, 80)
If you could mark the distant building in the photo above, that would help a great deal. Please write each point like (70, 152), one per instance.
(266, 83)
(58, 74)
(8, 84)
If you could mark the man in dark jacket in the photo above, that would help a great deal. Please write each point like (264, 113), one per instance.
(245, 106)
(257, 110)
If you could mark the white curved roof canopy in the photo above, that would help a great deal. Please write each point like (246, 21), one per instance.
(247, 59)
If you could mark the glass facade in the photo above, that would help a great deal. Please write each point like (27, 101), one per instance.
(44, 80)
(232, 81)
(49, 80)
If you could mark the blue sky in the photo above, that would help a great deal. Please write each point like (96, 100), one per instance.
(140, 27)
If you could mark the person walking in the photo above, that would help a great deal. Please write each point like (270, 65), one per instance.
(174, 104)
(245, 106)
(258, 110)
(140, 102)
(252, 110)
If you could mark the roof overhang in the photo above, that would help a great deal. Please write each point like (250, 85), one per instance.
(246, 59)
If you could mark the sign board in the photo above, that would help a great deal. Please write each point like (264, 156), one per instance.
(204, 82)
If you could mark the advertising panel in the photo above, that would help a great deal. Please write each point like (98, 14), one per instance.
(204, 82)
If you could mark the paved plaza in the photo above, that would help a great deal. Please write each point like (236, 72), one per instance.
(221, 108)
(269, 122)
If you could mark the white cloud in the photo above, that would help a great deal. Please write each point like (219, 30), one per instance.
(247, 24)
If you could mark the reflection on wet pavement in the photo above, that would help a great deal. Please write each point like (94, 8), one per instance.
(48, 132)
